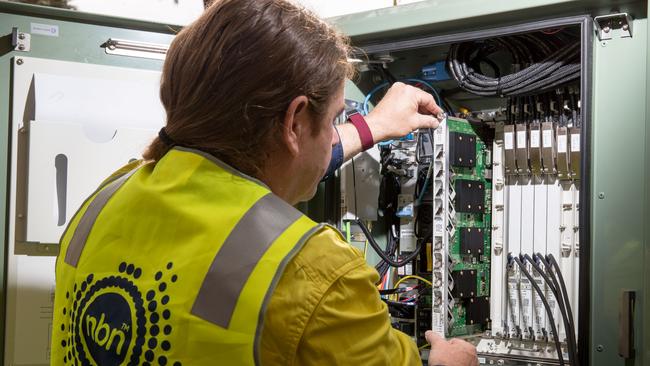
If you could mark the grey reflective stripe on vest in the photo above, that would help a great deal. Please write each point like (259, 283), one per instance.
(89, 217)
(269, 217)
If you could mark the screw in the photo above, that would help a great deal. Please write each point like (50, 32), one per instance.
(606, 29)
(21, 35)
(626, 27)
(601, 195)
(600, 348)
(21, 47)
(19, 61)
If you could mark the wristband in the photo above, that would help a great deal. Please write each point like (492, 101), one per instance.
(364, 131)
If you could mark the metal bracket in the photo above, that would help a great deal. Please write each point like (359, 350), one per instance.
(607, 25)
(20, 41)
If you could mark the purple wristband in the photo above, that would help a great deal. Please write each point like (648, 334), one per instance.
(364, 131)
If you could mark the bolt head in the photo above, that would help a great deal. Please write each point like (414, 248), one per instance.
(606, 29)
(626, 27)
(21, 47)
(600, 348)
(601, 195)
(21, 35)
(19, 61)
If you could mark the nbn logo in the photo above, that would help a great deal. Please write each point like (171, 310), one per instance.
(107, 328)
(103, 335)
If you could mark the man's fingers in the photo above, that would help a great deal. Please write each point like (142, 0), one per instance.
(427, 121)
(433, 338)
(427, 103)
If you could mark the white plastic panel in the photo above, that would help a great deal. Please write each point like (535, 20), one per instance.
(539, 246)
(54, 193)
(513, 194)
(527, 237)
(95, 101)
(566, 259)
(553, 242)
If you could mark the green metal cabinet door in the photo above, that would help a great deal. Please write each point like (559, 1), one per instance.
(619, 193)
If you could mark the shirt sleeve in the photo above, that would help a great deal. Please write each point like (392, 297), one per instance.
(336, 160)
(351, 326)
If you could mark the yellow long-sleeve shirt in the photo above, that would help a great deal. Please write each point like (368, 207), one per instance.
(326, 311)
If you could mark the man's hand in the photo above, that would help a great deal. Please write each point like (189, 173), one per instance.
(455, 352)
(403, 109)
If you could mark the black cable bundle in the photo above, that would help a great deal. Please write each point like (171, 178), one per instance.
(547, 307)
(387, 256)
(548, 61)
(554, 280)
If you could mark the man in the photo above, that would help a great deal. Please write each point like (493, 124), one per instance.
(195, 256)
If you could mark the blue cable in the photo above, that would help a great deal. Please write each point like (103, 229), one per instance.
(386, 84)
(428, 85)
(370, 94)
(409, 80)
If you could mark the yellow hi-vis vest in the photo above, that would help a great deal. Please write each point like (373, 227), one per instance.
(173, 264)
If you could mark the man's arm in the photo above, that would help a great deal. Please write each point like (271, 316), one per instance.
(351, 326)
(403, 109)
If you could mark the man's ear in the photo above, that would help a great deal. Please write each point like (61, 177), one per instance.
(296, 123)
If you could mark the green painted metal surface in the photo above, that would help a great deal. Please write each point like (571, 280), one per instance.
(442, 17)
(619, 181)
(645, 300)
(80, 37)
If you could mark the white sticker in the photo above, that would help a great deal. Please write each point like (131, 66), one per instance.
(508, 139)
(534, 138)
(45, 29)
(561, 143)
(521, 139)
(575, 142)
(547, 138)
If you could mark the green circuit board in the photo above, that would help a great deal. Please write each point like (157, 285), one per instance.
(480, 221)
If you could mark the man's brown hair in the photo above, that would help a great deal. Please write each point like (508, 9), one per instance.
(229, 77)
